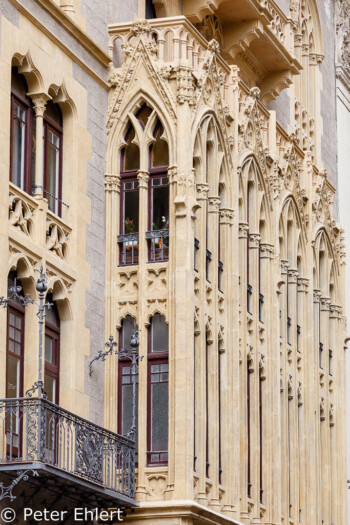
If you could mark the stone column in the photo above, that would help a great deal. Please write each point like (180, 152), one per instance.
(39, 101)
(213, 357)
(202, 196)
(143, 178)
(112, 189)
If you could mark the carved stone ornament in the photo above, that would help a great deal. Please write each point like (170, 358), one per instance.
(202, 191)
(112, 182)
(243, 230)
(343, 32)
(226, 216)
(254, 240)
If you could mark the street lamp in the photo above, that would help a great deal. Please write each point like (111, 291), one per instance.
(134, 357)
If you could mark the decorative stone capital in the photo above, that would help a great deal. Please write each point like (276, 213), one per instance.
(303, 284)
(202, 191)
(39, 101)
(214, 204)
(143, 178)
(284, 266)
(243, 230)
(112, 182)
(317, 296)
(254, 240)
(226, 216)
(214, 46)
(172, 174)
(335, 310)
(266, 250)
(325, 303)
(185, 183)
(255, 93)
(293, 276)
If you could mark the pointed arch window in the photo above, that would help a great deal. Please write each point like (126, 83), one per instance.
(157, 395)
(22, 149)
(158, 195)
(125, 381)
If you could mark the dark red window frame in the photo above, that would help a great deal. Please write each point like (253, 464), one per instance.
(18, 311)
(26, 104)
(53, 369)
(154, 358)
(51, 125)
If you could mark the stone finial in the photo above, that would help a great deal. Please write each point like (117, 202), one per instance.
(140, 25)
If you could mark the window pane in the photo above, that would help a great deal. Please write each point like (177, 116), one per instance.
(160, 207)
(131, 153)
(159, 419)
(53, 167)
(126, 405)
(13, 376)
(50, 388)
(159, 334)
(160, 151)
(48, 349)
(128, 329)
(18, 145)
(131, 210)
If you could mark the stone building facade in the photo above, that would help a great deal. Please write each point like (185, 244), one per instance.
(179, 176)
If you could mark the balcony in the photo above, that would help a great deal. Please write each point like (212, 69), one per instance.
(158, 245)
(129, 248)
(255, 35)
(64, 454)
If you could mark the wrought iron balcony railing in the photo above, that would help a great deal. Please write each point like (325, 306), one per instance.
(158, 245)
(39, 435)
(129, 248)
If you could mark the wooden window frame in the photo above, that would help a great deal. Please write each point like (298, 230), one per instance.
(50, 369)
(17, 310)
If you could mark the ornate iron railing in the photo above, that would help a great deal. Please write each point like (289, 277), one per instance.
(129, 248)
(158, 245)
(36, 430)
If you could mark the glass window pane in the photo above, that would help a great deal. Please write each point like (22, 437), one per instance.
(128, 329)
(13, 376)
(12, 320)
(18, 146)
(159, 334)
(131, 153)
(50, 388)
(48, 349)
(18, 336)
(131, 210)
(11, 346)
(17, 349)
(53, 167)
(127, 410)
(159, 419)
(160, 207)
(11, 332)
(18, 322)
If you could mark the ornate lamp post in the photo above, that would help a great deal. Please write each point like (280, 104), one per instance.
(134, 357)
